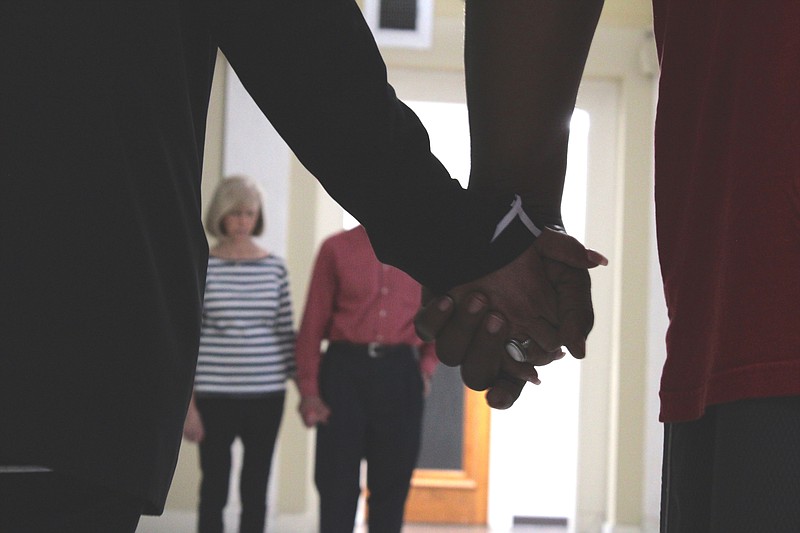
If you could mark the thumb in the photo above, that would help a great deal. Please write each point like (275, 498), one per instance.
(568, 250)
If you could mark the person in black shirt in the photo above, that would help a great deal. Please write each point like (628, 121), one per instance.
(102, 122)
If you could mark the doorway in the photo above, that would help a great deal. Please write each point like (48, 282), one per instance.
(544, 422)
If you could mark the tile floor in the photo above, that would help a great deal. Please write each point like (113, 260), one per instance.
(185, 523)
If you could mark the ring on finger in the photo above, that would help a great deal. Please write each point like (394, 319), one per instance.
(518, 349)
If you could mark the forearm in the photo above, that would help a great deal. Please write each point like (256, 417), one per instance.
(307, 362)
(524, 60)
(323, 86)
(307, 358)
(315, 322)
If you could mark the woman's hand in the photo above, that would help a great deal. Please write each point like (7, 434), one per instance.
(193, 428)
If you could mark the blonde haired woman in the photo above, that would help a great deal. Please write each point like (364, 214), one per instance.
(246, 355)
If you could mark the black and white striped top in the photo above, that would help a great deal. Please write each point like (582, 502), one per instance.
(247, 339)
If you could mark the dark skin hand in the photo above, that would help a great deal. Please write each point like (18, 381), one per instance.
(471, 331)
(523, 63)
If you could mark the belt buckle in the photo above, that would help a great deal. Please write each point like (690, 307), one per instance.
(374, 349)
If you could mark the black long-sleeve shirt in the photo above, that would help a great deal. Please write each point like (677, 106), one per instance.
(102, 121)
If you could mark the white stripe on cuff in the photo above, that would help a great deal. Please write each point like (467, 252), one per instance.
(516, 211)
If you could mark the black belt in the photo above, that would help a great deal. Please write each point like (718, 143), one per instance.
(375, 350)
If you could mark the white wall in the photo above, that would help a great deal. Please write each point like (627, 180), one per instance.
(251, 146)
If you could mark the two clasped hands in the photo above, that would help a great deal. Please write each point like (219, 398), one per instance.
(536, 305)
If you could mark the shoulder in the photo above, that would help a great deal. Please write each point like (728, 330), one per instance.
(332, 245)
(336, 239)
(215, 262)
(347, 240)
(274, 263)
(272, 259)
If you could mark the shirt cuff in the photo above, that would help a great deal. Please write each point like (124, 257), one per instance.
(468, 236)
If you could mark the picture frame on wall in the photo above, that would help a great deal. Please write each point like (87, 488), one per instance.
(400, 23)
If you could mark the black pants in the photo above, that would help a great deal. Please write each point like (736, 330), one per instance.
(376, 413)
(736, 470)
(48, 502)
(255, 421)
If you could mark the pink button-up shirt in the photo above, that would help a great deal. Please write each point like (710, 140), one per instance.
(355, 298)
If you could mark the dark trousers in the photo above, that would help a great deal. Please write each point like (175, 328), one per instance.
(255, 421)
(376, 413)
(48, 502)
(736, 470)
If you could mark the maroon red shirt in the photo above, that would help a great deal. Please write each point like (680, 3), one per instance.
(355, 298)
(728, 200)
